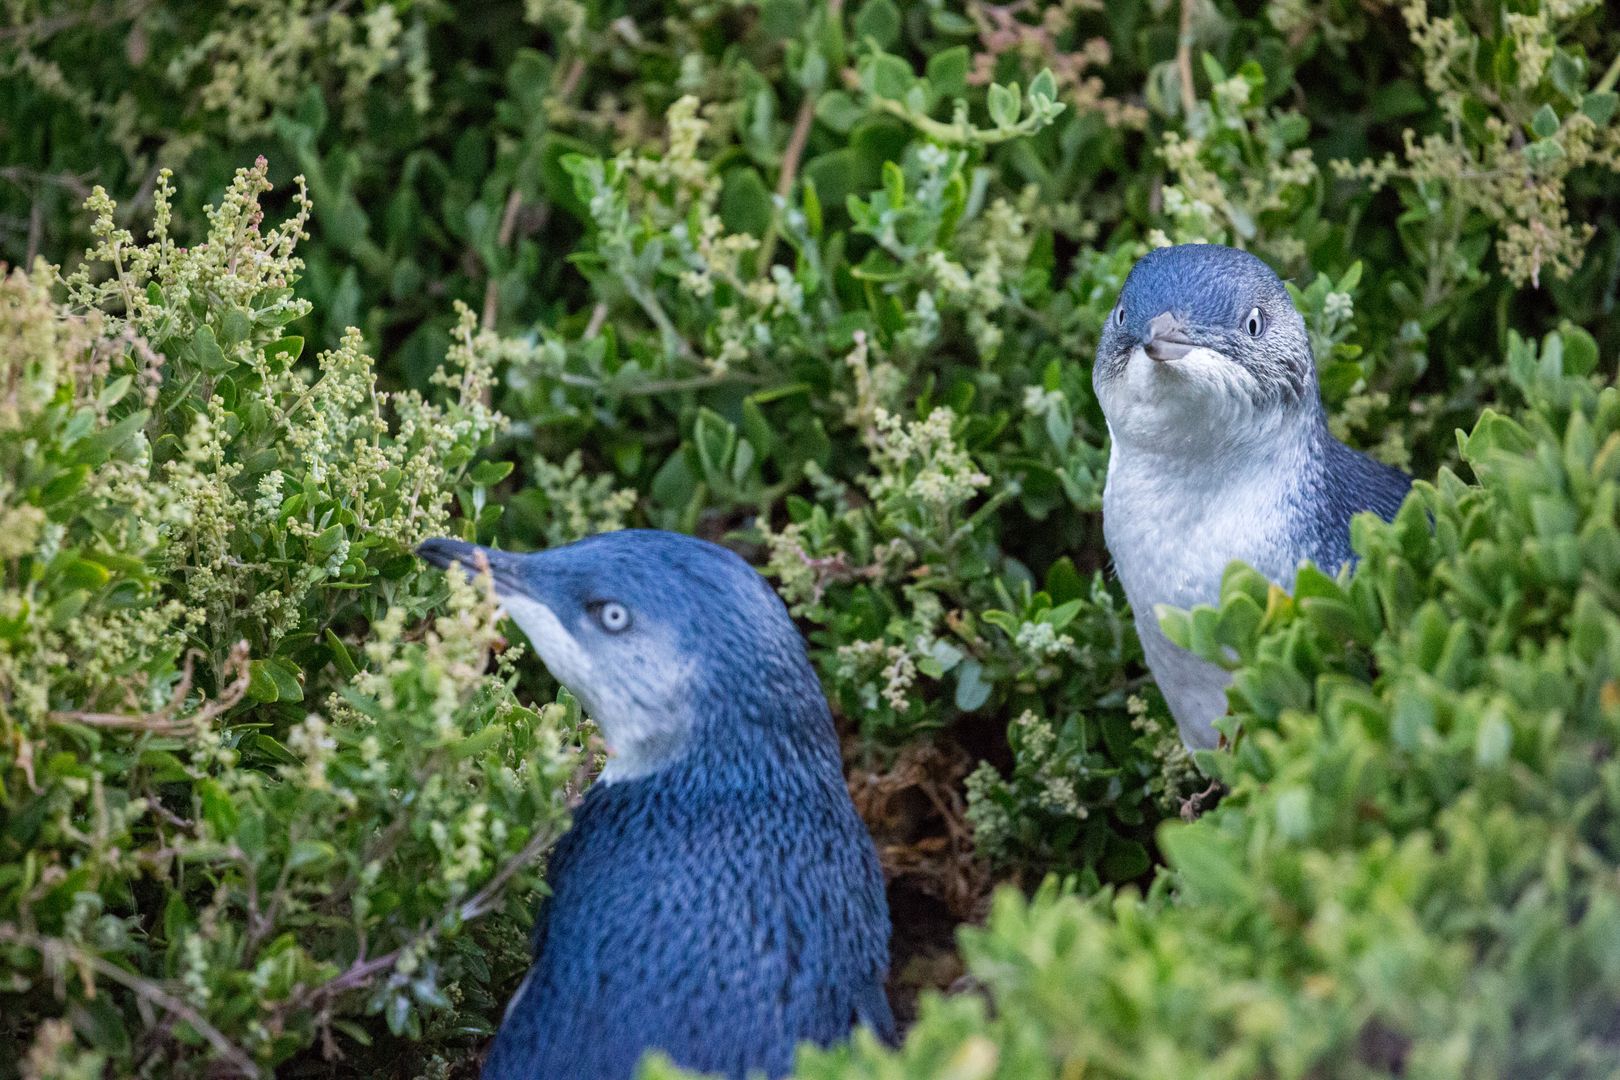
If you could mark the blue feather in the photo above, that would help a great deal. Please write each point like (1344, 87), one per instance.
(728, 904)
(1221, 452)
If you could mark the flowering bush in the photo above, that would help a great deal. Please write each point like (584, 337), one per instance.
(1414, 871)
(250, 794)
(821, 280)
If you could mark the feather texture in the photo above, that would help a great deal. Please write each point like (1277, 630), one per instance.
(1221, 453)
(717, 898)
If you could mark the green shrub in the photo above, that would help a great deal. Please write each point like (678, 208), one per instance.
(1414, 871)
(243, 798)
(822, 280)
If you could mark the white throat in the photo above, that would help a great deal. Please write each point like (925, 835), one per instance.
(637, 697)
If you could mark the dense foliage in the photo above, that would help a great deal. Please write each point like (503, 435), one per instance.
(823, 281)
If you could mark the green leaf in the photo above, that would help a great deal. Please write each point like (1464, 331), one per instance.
(1580, 350)
(1545, 122)
(745, 202)
(1208, 863)
(878, 20)
(1004, 105)
(887, 76)
(218, 808)
(285, 675)
(1124, 859)
(340, 655)
(285, 350)
(206, 353)
(971, 689)
(311, 856)
(838, 110)
(114, 391)
(489, 473)
(812, 207)
(1600, 106)
(948, 71)
(1063, 582)
(715, 440)
(1064, 614)
(1044, 86)
(327, 542)
(262, 684)
(1175, 624)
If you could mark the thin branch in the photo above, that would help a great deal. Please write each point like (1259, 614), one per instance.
(23, 176)
(514, 202)
(794, 153)
(63, 952)
(167, 720)
(483, 901)
(36, 229)
(790, 172)
(359, 973)
(667, 330)
(599, 315)
(97, 18)
(570, 80)
(1610, 77)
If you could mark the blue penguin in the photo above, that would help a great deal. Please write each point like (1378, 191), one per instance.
(1220, 452)
(717, 898)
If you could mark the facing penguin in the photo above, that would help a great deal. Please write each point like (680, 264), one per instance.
(1220, 452)
(717, 897)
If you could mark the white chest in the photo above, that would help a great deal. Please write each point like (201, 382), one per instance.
(1172, 531)
(1171, 537)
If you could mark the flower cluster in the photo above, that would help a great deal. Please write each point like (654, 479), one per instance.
(206, 530)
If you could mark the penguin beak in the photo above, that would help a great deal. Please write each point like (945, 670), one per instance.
(503, 566)
(517, 594)
(1167, 338)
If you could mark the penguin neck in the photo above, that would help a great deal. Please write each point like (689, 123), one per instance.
(742, 735)
(1278, 448)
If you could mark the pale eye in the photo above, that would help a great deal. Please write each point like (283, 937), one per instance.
(613, 616)
(1119, 315)
(1255, 324)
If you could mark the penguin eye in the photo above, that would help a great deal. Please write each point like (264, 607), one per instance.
(1255, 324)
(1119, 315)
(612, 616)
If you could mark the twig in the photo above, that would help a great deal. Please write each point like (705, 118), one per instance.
(36, 229)
(64, 952)
(667, 331)
(167, 720)
(599, 315)
(480, 903)
(483, 901)
(96, 17)
(22, 175)
(794, 152)
(1610, 77)
(514, 203)
(1192, 807)
(570, 80)
(656, 386)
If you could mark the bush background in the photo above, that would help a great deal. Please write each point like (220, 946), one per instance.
(821, 281)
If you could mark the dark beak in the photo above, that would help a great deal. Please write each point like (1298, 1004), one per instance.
(1167, 338)
(444, 552)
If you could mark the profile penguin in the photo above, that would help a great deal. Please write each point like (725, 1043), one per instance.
(717, 898)
(1221, 452)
